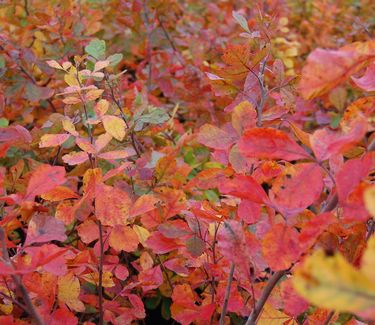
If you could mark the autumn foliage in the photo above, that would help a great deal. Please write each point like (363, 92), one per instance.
(196, 162)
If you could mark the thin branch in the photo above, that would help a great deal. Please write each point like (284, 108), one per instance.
(100, 286)
(265, 294)
(149, 45)
(371, 146)
(18, 282)
(171, 42)
(16, 302)
(329, 318)
(227, 294)
(165, 272)
(133, 137)
(263, 92)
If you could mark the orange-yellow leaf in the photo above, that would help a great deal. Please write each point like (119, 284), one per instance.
(68, 292)
(112, 205)
(115, 126)
(123, 238)
(59, 193)
(52, 140)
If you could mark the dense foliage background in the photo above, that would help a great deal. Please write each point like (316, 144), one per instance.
(187, 161)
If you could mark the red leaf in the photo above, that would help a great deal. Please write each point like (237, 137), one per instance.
(214, 137)
(327, 143)
(349, 190)
(280, 247)
(43, 179)
(144, 204)
(314, 228)
(151, 278)
(244, 187)
(43, 228)
(367, 81)
(160, 244)
(63, 317)
(325, 69)
(270, 143)
(233, 244)
(298, 187)
(249, 211)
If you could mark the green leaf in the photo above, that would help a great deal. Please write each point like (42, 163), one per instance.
(3, 122)
(115, 59)
(335, 121)
(96, 49)
(241, 20)
(36, 93)
(166, 308)
(152, 302)
(156, 116)
(2, 62)
(211, 195)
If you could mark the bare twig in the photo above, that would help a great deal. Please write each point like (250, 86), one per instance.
(16, 302)
(149, 45)
(171, 42)
(265, 294)
(227, 294)
(329, 318)
(263, 91)
(100, 286)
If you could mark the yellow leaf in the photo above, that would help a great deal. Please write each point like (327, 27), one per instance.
(368, 260)
(52, 140)
(114, 126)
(69, 126)
(333, 283)
(142, 233)
(271, 316)
(71, 77)
(101, 107)
(93, 94)
(6, 305)
(369, 198)
(68, 292)
(107, 279)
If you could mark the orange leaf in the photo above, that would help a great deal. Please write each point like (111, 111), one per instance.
(144, 204)
(68, 292)
(123, 238)
(59, 193)
(115, 126)
(112, 205)
(52, 140)
(280, 247)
